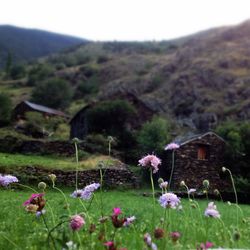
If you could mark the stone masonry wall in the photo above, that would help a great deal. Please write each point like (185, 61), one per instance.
(112, 177)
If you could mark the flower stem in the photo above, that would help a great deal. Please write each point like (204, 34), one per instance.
(153, 190)
(77, 163)
(236, 197)
(172, 170)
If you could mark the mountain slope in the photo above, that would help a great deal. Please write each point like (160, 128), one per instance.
(25, 44)
(197, 81)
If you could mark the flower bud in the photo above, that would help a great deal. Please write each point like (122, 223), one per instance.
(216, 192)
(182, 183)
(159, 233)
(160, 180)
(206, 184)
(42, 185)
(52, 177)
(75, 140)
(224, 169)
(236, 236)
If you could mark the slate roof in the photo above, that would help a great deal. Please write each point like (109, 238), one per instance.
(181, 140)
(44, 109)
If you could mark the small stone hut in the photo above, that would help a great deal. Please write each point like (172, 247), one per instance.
(199, 157)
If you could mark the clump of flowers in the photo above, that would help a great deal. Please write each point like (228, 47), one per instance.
(175, 236)
(5, 180)
(169, 200)
(35, 203)
(76, 222)
(172, 146)
(211, 210)
(150, 162)
(85, 193)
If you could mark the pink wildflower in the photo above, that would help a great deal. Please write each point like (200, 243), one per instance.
(164, 185)
(172, 146)
(76, 222)
(32, 198)
(110, 245)
(211, 210)
(117, 211)
(150, 161)
(175, 236)
(205, 246)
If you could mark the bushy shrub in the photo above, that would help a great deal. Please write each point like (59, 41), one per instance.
(17, 71)
(154, 135)
(37, 125)
(237, 137)
(87, 87)
(39, 73)
(54, 93)
(110, 117)
(5, 109)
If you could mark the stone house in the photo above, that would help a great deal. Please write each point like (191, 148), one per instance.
(199, 157)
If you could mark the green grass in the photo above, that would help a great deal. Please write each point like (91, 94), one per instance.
(14, 161)
(20, 230)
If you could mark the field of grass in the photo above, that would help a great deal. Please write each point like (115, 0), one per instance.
(22, 230)
(13, 161)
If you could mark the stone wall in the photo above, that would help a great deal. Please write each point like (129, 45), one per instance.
(112, 177)
(11, 144)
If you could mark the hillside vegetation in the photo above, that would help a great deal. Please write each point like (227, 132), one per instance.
(197, 81)
(26, 44)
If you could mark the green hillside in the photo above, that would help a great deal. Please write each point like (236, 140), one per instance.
(26, 44)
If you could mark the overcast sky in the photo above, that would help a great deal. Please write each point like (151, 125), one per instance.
(124, 19)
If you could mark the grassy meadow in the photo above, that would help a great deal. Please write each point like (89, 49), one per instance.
(22, 230)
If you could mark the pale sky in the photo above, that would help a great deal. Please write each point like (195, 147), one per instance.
(124, 19)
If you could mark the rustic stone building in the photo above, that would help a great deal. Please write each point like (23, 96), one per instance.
(198, 158)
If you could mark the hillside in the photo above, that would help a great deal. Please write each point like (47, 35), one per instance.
(197, 81)
(25, 44)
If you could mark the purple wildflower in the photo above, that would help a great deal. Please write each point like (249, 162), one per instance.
(148, 240)
(169, 200)
(172, 146)
(164, 185)
(191, 190)
(85, 193)
(150, 161)
(5, 180)
(211, 211)
(129, 221)
(76, 222)
(205, 246)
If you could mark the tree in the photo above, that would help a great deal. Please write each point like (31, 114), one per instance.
(54, 93)
(5, 109)
(17, 71)
(154, 135)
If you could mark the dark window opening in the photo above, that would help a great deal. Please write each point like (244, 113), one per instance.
(202, 152)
